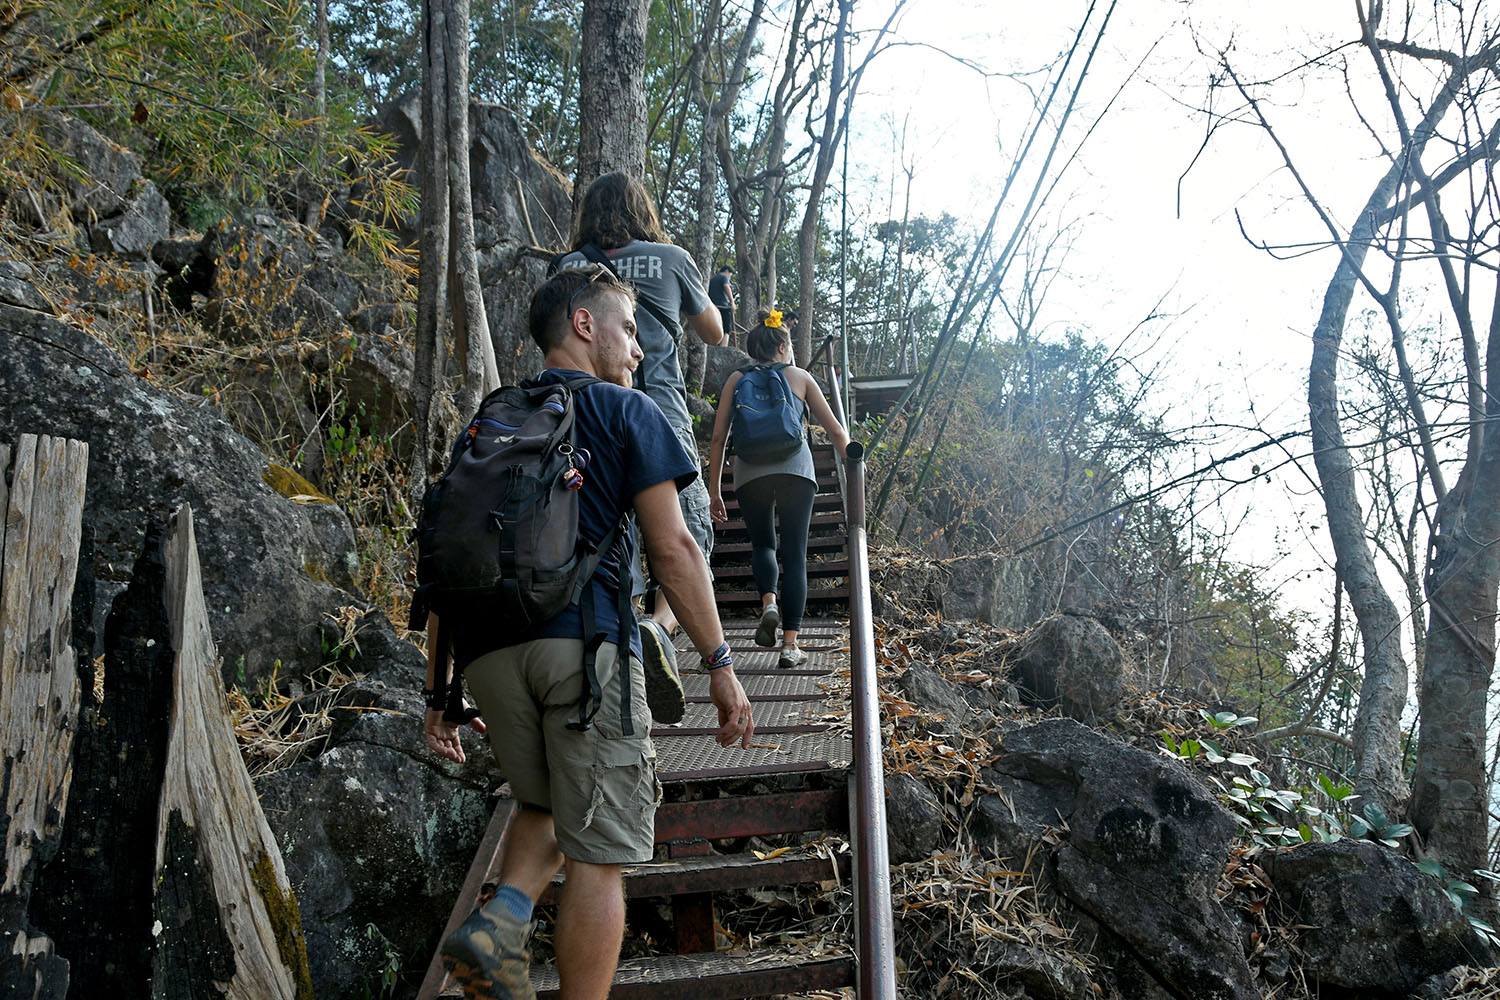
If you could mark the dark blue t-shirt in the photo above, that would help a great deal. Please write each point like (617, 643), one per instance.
(631, 447)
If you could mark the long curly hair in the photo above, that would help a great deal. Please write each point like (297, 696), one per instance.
(617, 209)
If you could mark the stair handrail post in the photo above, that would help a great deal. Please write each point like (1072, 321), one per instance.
(874, 932)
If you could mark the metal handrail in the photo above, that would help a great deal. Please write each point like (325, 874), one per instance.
(874, 923)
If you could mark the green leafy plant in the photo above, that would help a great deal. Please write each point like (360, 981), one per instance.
(1374, 824)
(390, 961)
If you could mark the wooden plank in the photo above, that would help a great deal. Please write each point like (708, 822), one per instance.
(220, 879)
(39, 689)
(485, 868)
(38, 681)
(753, 815)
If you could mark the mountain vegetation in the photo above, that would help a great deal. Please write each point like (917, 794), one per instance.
(1021, 435)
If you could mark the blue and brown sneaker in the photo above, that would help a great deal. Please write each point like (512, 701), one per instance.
(663, 684)
(487, 955)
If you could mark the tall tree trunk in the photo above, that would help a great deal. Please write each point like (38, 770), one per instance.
(714, 114)
(448, 291)
(827, 151)
(1377, 726)
(471, 328)
(1449, 803)
(611, 92)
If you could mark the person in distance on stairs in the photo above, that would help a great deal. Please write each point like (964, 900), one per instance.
(587, 793)
(775, 489)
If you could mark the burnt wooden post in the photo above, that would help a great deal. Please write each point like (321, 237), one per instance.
(42, 503)
(136, 858)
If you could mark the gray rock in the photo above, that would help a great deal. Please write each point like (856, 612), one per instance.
(107, 172)
(913, 819)
(929, 690)
(271, 568)
(271, 278)
(719, 365)
(1070, 662)
(376, 831)
(1042, 975)
(987, 587)
(1143, 847)
(17, 289)
(145, 222)
(1367, 919)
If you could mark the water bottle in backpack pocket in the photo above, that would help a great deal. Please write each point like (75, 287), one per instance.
(767, 420)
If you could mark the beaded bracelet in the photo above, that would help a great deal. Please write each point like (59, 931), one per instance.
(720, 658)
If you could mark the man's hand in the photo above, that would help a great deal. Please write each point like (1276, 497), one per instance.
(735, 722)
(442, 735)
(716, 508)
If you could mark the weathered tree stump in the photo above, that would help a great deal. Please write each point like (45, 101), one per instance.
(136, 858)
(42, 501)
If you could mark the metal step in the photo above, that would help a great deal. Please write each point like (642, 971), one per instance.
(738, 552)
(815, 568)
(748, 598)
(718, 975)
(823, 502)
(825, 521)
(722, 872)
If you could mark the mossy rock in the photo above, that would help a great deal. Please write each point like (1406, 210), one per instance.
(292, 486)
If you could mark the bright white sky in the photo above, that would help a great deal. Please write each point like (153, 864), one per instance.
(1241, 332)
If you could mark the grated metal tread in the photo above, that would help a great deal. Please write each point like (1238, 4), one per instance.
(682, 758)
(782, 683)
(702, 715)
(718, 975)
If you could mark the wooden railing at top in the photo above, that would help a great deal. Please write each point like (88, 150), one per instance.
(874, 930)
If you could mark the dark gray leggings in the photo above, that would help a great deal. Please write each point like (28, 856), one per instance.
(762, 501)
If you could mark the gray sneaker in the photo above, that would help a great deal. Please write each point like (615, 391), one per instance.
(663, 684)
(487, 955)
(791, 658)
(770, 621)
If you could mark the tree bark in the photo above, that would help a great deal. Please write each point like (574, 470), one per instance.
(39, 691)
(1378, 773)
(611, 92)
(1449, 803)
(827, 150)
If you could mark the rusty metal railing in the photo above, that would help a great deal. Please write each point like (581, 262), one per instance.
(874, 924)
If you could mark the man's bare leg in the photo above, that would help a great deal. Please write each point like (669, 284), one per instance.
(531, 854)
(590, 927)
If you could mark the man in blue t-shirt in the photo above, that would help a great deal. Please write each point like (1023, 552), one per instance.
(588, 798)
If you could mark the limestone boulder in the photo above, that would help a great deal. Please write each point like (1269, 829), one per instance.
(1368, 920)
(376, 830)
(1070, 662)
(987, 587)
(272, 568)
(913, 819)
(1140, 846)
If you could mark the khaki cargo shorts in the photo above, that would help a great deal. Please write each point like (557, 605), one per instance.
(600, 785)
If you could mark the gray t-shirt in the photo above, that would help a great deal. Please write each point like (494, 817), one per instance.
(666, 276)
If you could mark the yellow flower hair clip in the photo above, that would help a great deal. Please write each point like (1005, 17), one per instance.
(773, 320)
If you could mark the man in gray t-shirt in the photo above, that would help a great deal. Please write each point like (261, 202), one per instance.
(665, 276)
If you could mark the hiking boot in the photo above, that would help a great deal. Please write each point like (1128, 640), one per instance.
(791, 657)
(770, 621)
(487, 956)
(663, 685)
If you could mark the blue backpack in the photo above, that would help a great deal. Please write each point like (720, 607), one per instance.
(767, 423)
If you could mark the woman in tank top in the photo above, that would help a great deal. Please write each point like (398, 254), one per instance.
(777, 490)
